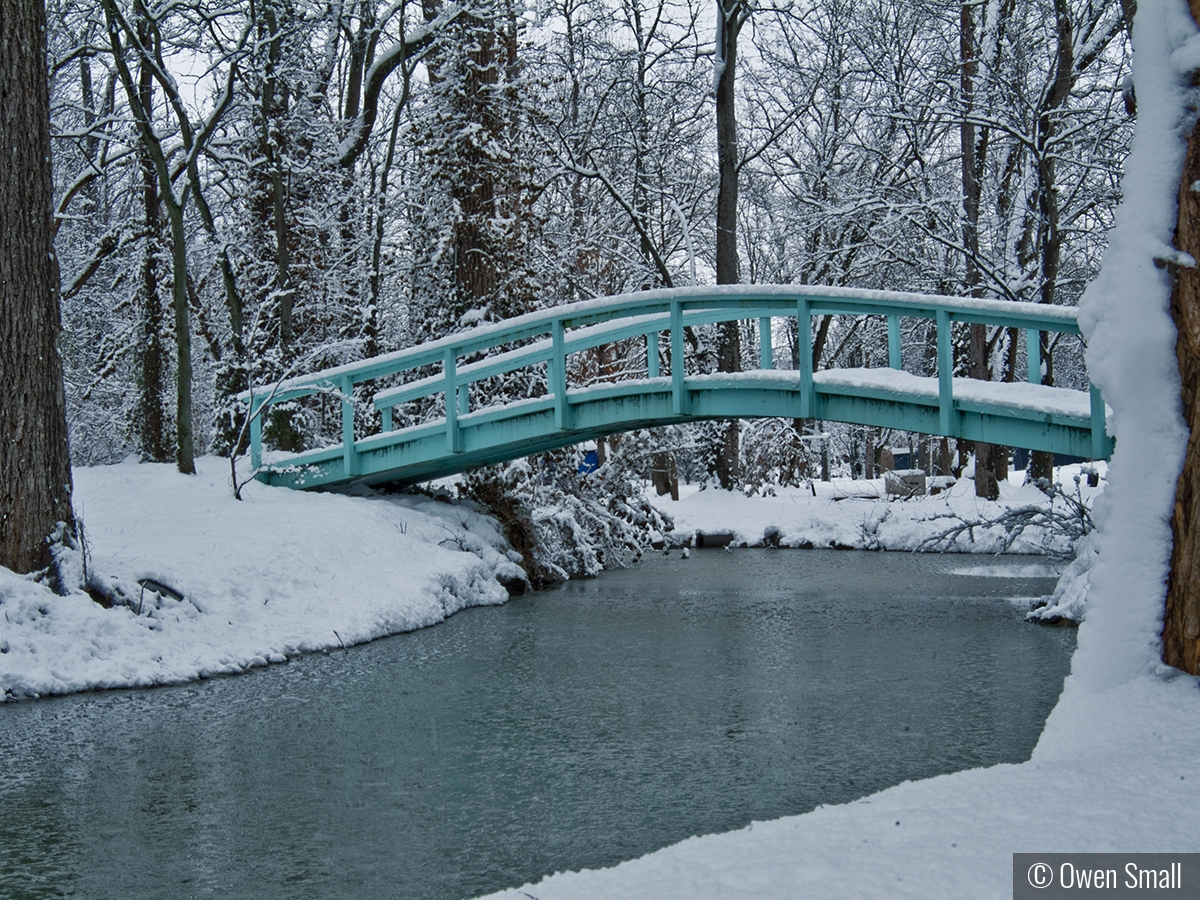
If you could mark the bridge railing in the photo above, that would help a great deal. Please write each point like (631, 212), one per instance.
(554, 334)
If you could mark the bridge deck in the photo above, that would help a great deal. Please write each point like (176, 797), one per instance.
(1032, 416)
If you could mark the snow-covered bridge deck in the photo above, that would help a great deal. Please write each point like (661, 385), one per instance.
(1032, 416)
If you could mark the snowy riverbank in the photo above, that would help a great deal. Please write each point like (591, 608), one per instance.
(282, 573)
(277, 574)
(846, 514)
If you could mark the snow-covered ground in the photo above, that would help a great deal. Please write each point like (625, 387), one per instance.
(276, 574)
(843, 513)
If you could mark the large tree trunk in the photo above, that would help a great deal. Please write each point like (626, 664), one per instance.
(35, 467)
(1181, 617)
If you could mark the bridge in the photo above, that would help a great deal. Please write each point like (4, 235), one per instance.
(1029, 415)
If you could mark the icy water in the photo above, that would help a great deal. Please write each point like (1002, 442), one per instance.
(572, 728)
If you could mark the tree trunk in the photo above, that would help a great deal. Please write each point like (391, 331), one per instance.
(973, 152)
(1181, 617)
(150, 420)
(35, 466)
(729, 348)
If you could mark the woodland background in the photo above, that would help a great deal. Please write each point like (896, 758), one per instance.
(247, 189)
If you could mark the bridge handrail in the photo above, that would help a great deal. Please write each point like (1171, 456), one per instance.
(648, 313)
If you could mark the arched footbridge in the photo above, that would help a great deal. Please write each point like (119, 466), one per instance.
(1029, 415)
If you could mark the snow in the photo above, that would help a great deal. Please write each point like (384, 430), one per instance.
(1016, 395)
(858, 514)
(277, 574)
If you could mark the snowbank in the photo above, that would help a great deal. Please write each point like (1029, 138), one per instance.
(277, 574)
(847, 514)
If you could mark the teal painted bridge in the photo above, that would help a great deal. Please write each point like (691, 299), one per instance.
(1028, 415)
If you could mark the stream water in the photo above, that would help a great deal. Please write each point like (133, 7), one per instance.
(571, 728)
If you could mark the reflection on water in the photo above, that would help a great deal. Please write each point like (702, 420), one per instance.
(574, 728)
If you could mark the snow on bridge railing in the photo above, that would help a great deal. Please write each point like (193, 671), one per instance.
(558, 332)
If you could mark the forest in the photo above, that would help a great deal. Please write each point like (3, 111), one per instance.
(251, 189)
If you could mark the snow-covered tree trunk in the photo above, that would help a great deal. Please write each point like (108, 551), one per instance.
(35, 471)
(1181, 618)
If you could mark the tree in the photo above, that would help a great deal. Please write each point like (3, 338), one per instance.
(731, 16)
(1181, 617)
(35, 484)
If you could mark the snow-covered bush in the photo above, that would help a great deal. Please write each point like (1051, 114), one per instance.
(566, 523)
(773, 454)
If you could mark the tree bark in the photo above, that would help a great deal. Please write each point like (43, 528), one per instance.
(1181, 616)
(730, 16)
(973, 153)
(35, 466)
(150, 420)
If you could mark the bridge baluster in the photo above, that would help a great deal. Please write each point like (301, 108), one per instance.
(385, 420)
(945, 354)
(1099, 425)
(348, 459)
(256, 414)
(558, 376)
(678, 367)
(766, 354)
(1033, 355)
(652, 370)
(450, 370)
(895, 358)
(808, 402)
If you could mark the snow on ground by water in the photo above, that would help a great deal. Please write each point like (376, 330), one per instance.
(845, 513)
(277, 574)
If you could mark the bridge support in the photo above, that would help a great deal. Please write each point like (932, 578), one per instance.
(348, 458)
(558, 377)
(678, 365)
(450, 369)
(945, 355)
(895, 357)
(808, 400)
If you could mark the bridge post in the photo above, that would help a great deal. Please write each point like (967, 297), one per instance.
(945, 352)
(1099, 425)
(1033, 355)
(895, 358)
(385, 417)
(678, 366)
(652, 370)
(256, 414)
(766, 354)
(558, 377)
(450, 372)
(348, 457)
(808, 402)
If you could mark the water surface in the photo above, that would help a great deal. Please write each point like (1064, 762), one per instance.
(573, 728)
